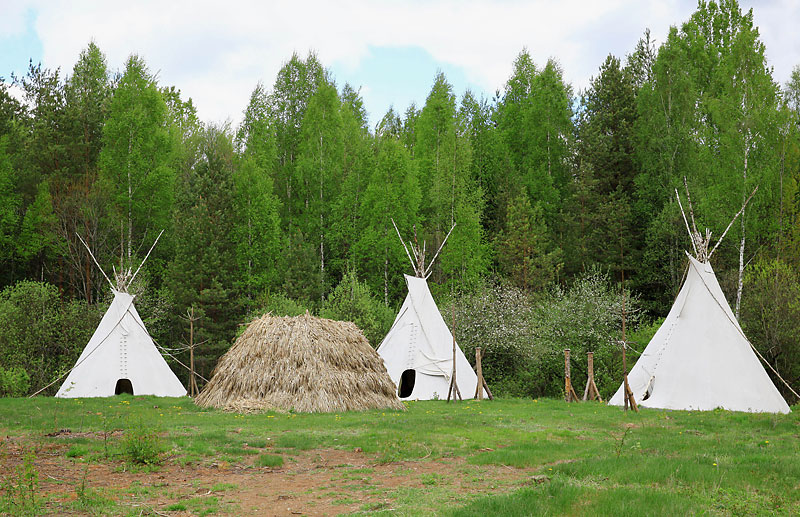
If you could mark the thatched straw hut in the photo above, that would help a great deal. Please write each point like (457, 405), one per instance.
(303, 363)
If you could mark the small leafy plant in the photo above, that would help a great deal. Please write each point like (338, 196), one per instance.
(142, 446)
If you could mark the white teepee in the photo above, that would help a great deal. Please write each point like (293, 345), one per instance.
(418, 350)
(700, 359)
(121, 357)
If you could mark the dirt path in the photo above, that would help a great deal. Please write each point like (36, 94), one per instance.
(315, 482)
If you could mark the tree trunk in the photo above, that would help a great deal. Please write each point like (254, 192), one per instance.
(742, 242)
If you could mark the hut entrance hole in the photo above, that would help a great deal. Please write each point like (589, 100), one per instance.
(406, 384)
(123, 386)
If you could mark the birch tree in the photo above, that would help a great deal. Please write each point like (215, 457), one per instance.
(134, 162)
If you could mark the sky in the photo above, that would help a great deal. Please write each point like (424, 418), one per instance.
(216, 52)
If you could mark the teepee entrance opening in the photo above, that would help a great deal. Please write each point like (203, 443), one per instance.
(123, 386)
(406, 385)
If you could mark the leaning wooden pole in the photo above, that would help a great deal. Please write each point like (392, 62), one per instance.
(193, 391)
(453, 391)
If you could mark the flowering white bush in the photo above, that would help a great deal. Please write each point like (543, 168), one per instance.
(524, 337)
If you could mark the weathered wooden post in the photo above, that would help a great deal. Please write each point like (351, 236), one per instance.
(569, 392)
(479, 368)
(591, 388)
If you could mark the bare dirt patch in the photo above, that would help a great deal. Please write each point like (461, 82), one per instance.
(313, 482)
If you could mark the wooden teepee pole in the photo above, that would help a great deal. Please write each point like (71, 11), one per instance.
(453, 390)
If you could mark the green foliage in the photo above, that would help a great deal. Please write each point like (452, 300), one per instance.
(40, 337)
(204, 269)
(14, 382)
(319, 173)
(393, 193)
(771, 318)
(535, 117)
(498, 317)
(352, 300)
(257, 229)
(280, 305)
(587, 317)
(523, 250)
(134, 160)
(19, 494)
(142, 445)
(442, 150)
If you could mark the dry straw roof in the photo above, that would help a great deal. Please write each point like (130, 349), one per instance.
(303, 363)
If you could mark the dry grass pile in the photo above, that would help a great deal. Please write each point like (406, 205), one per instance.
(302, 363)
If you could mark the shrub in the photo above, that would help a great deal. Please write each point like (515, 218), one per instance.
(40, 335)
(498, 317)
(142, 445)
(587, 317)
(770, 317)
(280, 305)
(14, 382)
(352, 300)
(524, 338)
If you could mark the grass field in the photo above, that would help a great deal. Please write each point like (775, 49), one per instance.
(151, 456)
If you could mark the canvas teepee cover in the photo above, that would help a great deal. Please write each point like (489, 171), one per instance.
(699, 359)
(121, 354)
(418, 350)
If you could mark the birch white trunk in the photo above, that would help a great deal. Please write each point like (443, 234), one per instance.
(130, 202)
(741, 243)
(321, 205)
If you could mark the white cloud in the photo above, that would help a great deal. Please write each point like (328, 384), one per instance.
(215, 52)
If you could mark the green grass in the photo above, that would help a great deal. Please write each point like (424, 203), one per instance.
(269, 460)
(579, 459)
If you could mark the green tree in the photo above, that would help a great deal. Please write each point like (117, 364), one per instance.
(258, 235)
(319, 170)
(524, 252)
(294, 86)
(392, 193)
(357, 163)
(771, 317)
(87, 92)
(607, 162)
(352, 300)
(134, 161)
(535, 117)
(9, 207)
(257, 231)
(443, 154)
(204, 271)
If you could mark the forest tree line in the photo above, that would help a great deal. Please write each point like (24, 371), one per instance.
(556, 196)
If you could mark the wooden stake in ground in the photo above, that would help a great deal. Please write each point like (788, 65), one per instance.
(479, 371)
(569, 391)
(630, 401)
(628, 394)
(591, 388)
(453, 390)
(190, 317)
(193, 391)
